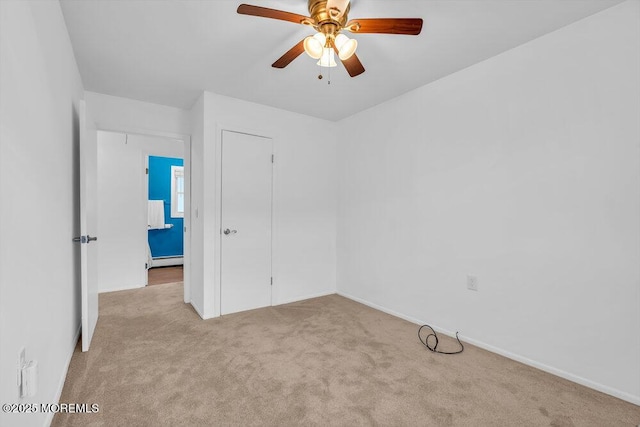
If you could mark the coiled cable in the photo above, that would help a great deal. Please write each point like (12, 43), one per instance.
(433, 336)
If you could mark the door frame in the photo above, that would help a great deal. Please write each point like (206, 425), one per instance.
(145, 198)
(217, 240)
(186, 139)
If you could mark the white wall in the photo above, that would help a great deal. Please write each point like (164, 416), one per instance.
(40, 89)
(523, 170)
(304, 254)
(122, 206)
(197, 296)
(123, 114)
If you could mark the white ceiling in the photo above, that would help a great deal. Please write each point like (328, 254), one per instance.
(168, 52)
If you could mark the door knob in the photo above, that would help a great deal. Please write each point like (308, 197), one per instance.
(227, 231)
(85, 239)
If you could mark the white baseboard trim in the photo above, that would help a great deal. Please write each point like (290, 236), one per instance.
(207, 316)
(550, 369)
(197, 309)
(167, 261)
(124, 288)
(318, 295)
(49, 419)
(200, 312)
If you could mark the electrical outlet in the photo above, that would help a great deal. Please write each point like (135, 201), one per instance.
(472, 282)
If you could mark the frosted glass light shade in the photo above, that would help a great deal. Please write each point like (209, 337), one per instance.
(346, 46)
(314, 45)
(328, 58)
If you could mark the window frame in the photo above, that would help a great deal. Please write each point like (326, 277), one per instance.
(176, 172)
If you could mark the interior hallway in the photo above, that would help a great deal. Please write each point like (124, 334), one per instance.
(162, 275)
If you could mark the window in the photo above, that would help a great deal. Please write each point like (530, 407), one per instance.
(177, 192)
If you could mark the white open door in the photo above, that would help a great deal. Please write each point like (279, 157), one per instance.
(245, 263)
(88, 225)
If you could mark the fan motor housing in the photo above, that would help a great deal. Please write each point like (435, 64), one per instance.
(321, 15)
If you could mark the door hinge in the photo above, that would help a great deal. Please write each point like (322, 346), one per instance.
(272, 157)
(146, 171)
(272, 281)
(146, 266)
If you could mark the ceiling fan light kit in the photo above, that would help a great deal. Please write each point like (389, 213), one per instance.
(328, 58)
(329, 18)
(314, 45)
(346, 46)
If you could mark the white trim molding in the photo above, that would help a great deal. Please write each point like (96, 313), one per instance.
(509, 355)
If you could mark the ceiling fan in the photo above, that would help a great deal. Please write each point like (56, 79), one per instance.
(329, 18)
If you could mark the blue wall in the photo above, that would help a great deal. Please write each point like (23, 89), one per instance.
(167, 242)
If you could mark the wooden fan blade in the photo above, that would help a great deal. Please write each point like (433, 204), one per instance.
(352, 64)
(407, 26)
(288, 57)
(265, 12)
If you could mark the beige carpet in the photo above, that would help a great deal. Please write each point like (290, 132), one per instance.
(325, 361)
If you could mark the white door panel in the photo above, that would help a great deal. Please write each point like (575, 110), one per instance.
(88, 225)
(245, 258)
(123, 213)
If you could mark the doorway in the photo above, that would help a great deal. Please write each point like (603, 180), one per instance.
(123, 208)
(246, 222)
(165, 196)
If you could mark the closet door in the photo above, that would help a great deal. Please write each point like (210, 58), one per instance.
(245, 258)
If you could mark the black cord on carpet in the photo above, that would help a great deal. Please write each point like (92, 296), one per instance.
(434, 348)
